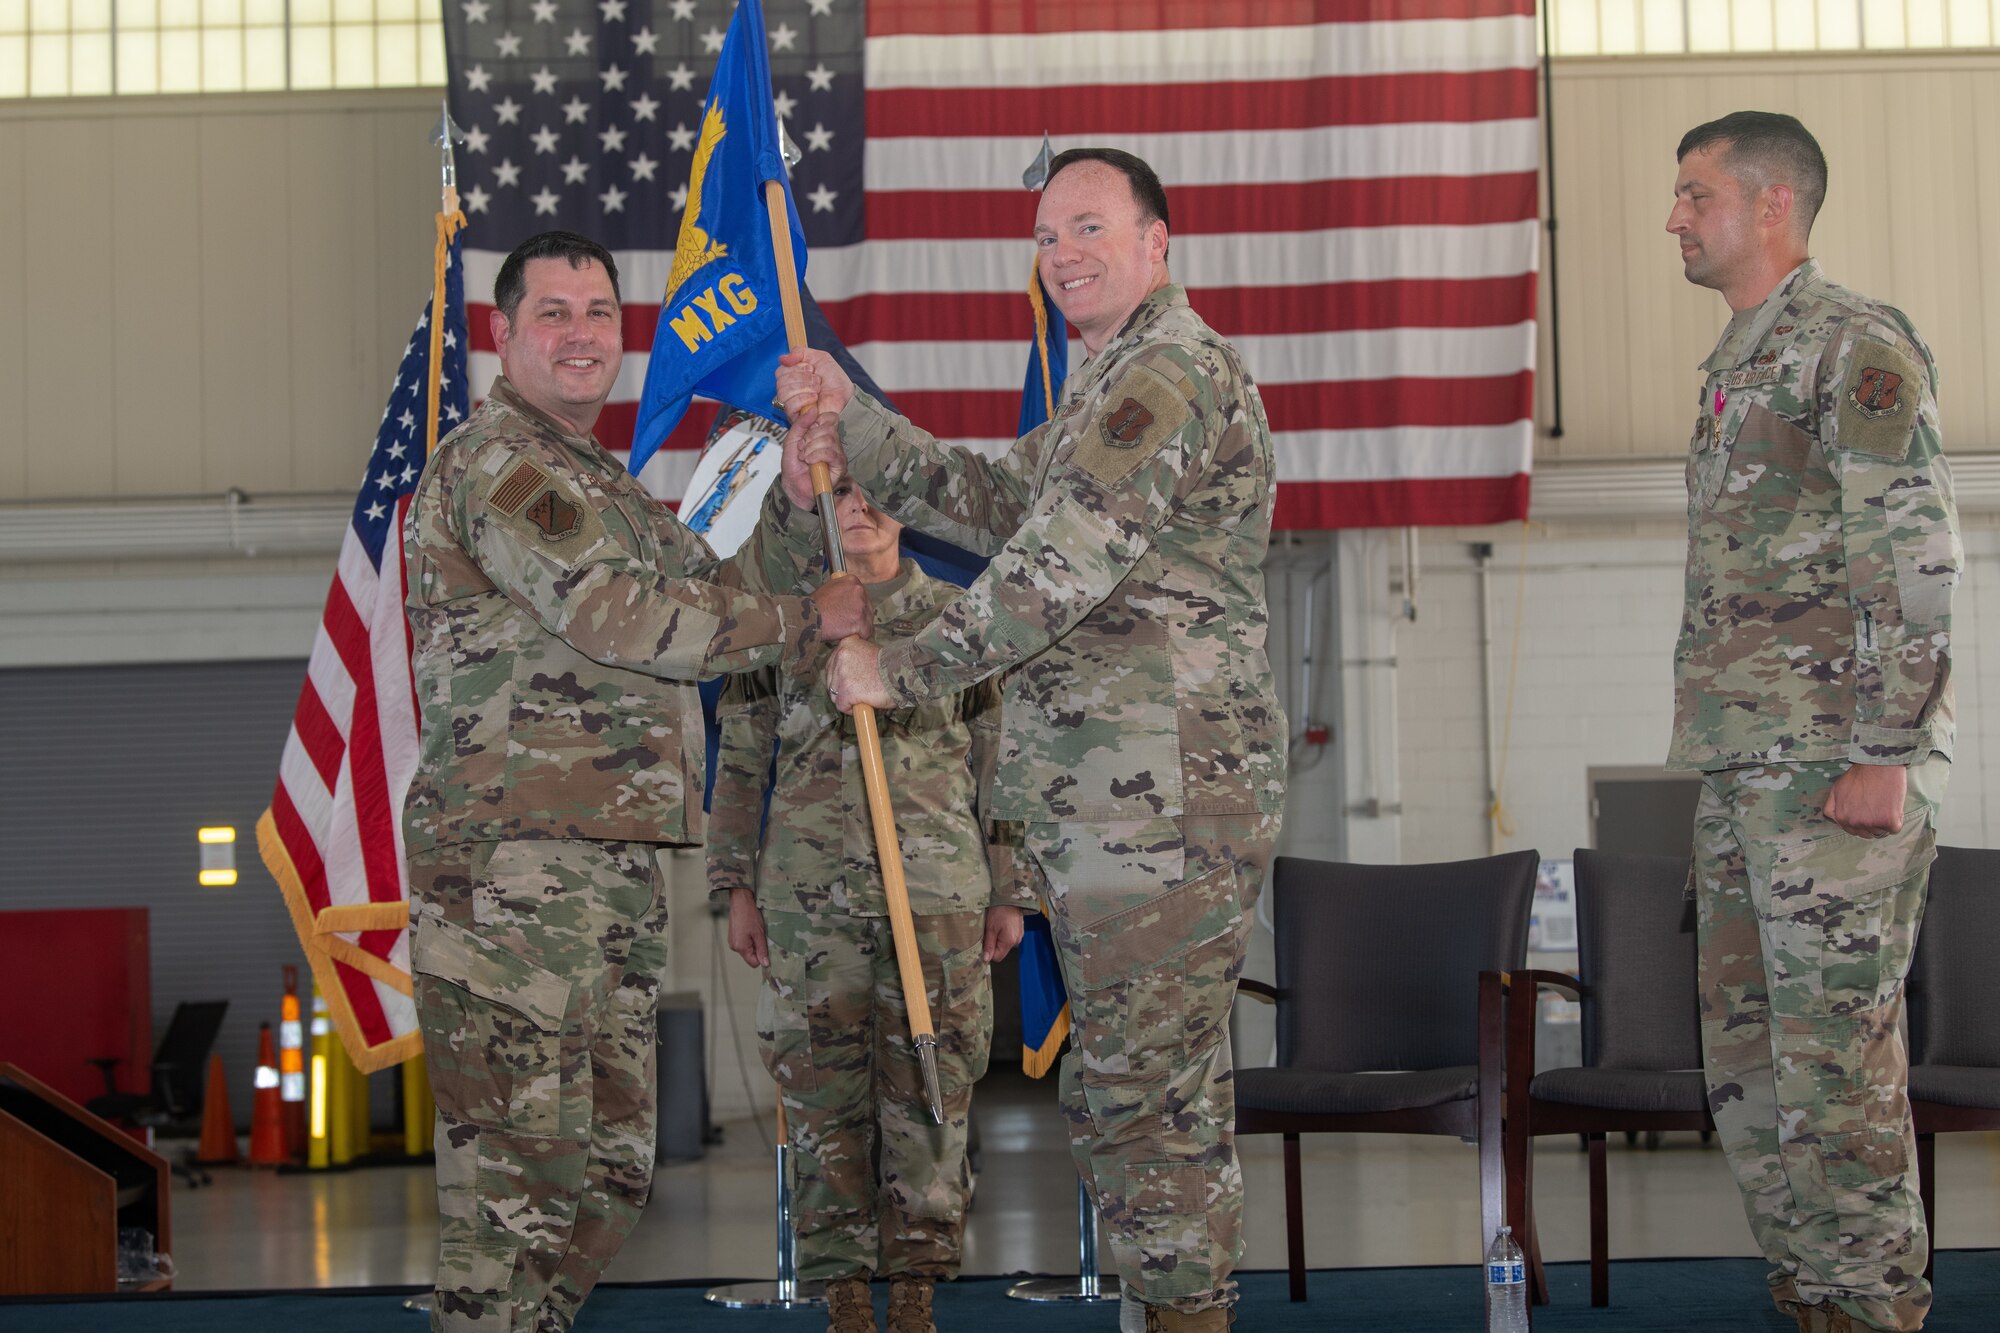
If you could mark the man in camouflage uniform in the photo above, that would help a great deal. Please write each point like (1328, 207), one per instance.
(1144, 741)
(1813, 682)
(557, 613)
(881, 1190)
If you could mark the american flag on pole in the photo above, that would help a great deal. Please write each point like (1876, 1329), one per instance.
(333, 836)
(1353, 186)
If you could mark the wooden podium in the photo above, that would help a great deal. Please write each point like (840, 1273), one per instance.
(70, 1182)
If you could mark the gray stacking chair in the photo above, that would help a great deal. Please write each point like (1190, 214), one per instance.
(1389, 1018)
(1637, 983)
(1954, 1039)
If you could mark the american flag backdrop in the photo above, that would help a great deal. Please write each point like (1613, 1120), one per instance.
(333, 836)
(1353, 186)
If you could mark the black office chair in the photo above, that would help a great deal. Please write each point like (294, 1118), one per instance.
(173, 1106)
(1954, 1042)
(1638, 986)
(1389, 1019)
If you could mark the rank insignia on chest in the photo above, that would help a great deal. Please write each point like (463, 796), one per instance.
(1126, 423)
(554, 516)
(1878, 392)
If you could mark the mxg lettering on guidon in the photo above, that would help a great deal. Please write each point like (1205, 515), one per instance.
(688, 323)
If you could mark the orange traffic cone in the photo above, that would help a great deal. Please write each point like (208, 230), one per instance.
(218, 1128)
(267, 1109)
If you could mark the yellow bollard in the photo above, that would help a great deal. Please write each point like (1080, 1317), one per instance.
(318, 1096)
(419, 1111)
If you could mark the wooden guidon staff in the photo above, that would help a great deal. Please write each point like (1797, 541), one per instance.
(881, 814)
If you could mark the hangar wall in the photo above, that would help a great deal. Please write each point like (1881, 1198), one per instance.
(211, 293)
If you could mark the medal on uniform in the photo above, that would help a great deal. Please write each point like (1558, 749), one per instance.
(1721, 401)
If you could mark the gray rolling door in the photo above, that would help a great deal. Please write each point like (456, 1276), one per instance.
(106, 773)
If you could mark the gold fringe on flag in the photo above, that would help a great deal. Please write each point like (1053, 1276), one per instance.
(448, 225)
(1041, 310)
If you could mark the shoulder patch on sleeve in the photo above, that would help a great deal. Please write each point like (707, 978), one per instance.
(520, 485)
(545, 509)
(1143, 411)
(1877, 409)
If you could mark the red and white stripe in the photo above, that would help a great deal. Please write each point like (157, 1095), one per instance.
(346, 767)
(1355, 205)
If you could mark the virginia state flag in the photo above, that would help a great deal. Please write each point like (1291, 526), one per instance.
(722, 326)
(1044, 1002)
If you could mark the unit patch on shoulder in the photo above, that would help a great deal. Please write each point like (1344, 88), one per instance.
(1146, 410)
(1877, 408)
(1879, 393)
(1126, 423)
(521, 483)
(554, 516)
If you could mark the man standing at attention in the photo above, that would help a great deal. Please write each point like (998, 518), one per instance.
(880, 1190)
(555, 606)
(1144, 745)
(1813, 692)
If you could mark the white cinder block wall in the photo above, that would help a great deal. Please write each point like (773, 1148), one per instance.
(1592, 679)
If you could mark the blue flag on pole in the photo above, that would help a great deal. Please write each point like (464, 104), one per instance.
(1044, 1002)
(722, 325)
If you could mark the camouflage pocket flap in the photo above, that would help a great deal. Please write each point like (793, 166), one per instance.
(1830, 868)
(453, 953)
(1158, 930)
(1165, 1189)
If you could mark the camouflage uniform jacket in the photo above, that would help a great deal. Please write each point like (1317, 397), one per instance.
(557, 609)
(1127, 537)
(1822, 541)
(818, 851)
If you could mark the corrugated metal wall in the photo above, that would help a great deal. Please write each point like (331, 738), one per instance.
(106, 773)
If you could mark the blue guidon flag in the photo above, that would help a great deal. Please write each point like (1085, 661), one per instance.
(722, 325)
(1045, 1017)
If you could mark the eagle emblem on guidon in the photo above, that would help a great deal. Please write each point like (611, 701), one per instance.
(695, 248)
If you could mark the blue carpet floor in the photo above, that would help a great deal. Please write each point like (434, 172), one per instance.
(1648, 1296)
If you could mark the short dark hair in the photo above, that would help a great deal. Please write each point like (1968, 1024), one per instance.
(1767, 148)
(1146, 188)
(512, 284)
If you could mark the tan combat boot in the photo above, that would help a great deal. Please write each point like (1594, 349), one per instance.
(910, 1305)
(1828, 1318)
(1164, 1319)
(850, 1306)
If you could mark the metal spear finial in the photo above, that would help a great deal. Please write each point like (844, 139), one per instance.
(443, 137)
(1037, 174)
(787, 150)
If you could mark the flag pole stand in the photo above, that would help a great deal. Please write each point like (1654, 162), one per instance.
(1086, 1286)
(787, 1293)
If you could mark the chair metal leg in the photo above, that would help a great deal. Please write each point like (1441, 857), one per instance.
(1087, 1287)
(1927, 1191)
(1295, 1219)
(1600, 1229)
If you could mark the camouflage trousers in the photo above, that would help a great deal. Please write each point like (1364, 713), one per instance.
(877, 1186)
(537, 966)
(1806, 934)
(1151, 919)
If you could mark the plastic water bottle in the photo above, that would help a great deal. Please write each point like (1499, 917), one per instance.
(1506, 1285)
